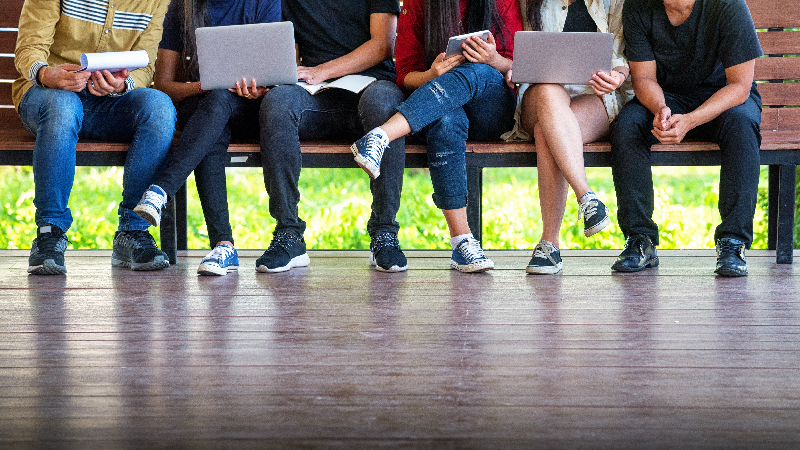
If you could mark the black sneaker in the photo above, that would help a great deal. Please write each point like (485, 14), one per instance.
(546, 259)
(385, 254)
(47, 251)
(137, 249)
(639, 254)
(730, 258)
(286, 250)
(594, 213)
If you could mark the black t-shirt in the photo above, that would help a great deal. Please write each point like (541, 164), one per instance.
(328, 29)
(579, 19)
(691, 58)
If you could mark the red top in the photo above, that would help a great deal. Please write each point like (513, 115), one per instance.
(410, 47)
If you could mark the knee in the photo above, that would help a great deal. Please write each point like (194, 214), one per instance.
(633, 121)
(218, 99)
(740, 122)
(453, 126)
(379, 101)
(278, 104)
(155, 110)
(61, 110)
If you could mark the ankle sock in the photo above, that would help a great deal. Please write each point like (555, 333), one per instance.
(455, 240)
(379, 131)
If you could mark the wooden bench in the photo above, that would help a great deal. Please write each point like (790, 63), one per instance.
(780, 149)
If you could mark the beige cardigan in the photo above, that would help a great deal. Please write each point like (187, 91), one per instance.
(607, 15)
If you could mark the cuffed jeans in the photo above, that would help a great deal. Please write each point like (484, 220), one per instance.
(57, 119)
(289, 113)
(470, 101)
(737, 131)
(203, 148)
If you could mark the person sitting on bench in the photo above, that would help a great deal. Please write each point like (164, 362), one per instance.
(59, 104)
(692, 65)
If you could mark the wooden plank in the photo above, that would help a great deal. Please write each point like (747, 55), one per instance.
(5, 94)
(775, 13)
(778, 68)
(780, 42)
(7, 69)
(780, 93)
(8, 41)
(780, 119)
(9, 12)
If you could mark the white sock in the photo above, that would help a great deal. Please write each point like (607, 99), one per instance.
(379, 131)
(455, 240)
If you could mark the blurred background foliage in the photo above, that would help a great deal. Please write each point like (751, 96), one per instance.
(336, 205)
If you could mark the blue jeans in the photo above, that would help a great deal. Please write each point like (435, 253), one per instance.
(203, 148)
(57, 119)
(737, 131)
(470, 101)
(289, 113)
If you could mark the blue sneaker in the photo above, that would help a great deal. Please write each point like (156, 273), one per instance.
(220, 261)
(368, 152)
(468, 257)
(151, 205)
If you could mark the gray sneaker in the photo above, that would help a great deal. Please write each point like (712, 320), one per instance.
(137, 249)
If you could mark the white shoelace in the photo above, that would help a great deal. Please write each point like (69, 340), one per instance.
(155, 198)
(588, 208)
(471, 249)
(375, 147)
(220, 252)
(543, 250)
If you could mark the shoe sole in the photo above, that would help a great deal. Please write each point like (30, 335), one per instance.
(48, 267)
(372, 170)
(157, 264)
(598, 227)
(392, 269)
(215, 269)
(650, 264)
(148, 213)
(298, 261)
(543, 270)
(476, 267)
(730, 273)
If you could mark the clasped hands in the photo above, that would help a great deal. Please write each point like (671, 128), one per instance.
(669, 128)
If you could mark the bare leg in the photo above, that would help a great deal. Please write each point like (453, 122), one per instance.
(456, 221)
(565, 125)
(396, 127)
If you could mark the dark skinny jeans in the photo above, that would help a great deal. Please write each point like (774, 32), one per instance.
(203, 148)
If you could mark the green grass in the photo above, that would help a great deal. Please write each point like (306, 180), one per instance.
(336, 205)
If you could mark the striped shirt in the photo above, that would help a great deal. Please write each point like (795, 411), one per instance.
(53, 32)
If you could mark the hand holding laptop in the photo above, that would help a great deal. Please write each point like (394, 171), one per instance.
(252, 91)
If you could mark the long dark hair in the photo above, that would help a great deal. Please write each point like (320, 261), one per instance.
(534, 14)
(442, 21)
(195, 15)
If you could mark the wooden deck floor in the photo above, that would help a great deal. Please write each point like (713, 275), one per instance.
(338, 356)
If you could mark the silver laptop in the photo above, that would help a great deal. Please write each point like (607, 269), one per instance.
(262, 51)
(560, 58)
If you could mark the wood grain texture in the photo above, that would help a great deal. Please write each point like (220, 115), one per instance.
(776, 68)
(780, 93)
(7, 70)
(8, 41)
(780, 119)
(775, 13)
(9, 13)
(672, 357)
(780, 42)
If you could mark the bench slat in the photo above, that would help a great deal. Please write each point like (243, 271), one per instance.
(780, 93)
(775, 13)
(781, 119)
(9, 12)
(8, 41)
(787, 68)
(7, 69)
(780, 42)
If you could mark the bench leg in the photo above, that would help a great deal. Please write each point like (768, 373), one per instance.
(785, 228)
(181, 218)
(474, 201)
(772, 205)
(169, 242)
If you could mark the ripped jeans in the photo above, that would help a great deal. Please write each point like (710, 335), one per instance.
(470, 101)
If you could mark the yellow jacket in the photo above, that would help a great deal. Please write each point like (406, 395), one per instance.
(53, 32)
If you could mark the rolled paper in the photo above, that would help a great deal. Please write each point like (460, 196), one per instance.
(114, 61)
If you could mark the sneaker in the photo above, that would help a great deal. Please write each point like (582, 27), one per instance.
(287, 250)
(220, 261)
(47, 251)
(468, 257)
(730, 258)
(137, 249)
(151, 205)
(368, 152)
(546, 259)
(639, 254)
(594, 213)
(385, 254)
